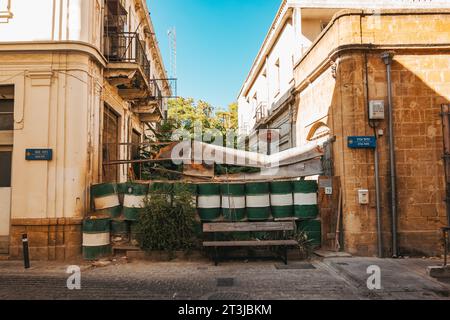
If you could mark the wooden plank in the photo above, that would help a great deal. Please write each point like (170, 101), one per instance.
(248, 226)
(267, 243)
(304, 169)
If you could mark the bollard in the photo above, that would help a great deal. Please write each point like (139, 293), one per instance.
(26, 254)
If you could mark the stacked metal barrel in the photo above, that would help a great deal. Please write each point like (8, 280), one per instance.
(119, 206)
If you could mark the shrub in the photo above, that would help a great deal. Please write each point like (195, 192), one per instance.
(168, 222)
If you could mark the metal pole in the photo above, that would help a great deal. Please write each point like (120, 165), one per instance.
(374, 125)
(387, 58)
(26, 254)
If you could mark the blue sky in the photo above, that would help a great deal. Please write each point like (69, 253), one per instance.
(217, 41)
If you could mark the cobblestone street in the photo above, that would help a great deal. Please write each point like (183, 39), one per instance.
(336, 278)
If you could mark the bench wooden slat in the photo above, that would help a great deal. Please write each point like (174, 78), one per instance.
(248, 226)
(250, 243)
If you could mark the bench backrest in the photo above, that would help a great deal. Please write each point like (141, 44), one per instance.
(248, 226)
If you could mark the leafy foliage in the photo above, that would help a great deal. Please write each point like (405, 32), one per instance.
(184, 113)
(168, 222)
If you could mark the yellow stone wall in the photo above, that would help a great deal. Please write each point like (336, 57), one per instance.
(331, 88)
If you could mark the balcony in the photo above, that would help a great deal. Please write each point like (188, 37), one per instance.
(151, 111)
(128, 67)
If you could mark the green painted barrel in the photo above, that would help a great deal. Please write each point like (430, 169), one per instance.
(258, 201)
(305, 199)
(281, 199)
(233, 201)
(96, 238)
(313, 231)
(106, 199)
(134, 200)
(209, 201)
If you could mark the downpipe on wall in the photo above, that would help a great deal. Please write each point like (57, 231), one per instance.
(374, 125)
(387, 58)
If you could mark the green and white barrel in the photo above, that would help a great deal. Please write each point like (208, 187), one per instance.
(281, 199)
(313, 231)
(96, 238)
(258, 201)
(233, 201)
(209, 201)
(305, 199)
(106, 199)
(134, 200)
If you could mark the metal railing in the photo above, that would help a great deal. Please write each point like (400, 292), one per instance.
(127, 47)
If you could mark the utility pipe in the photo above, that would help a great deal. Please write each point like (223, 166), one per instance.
(387, 58)
(374, 125)
(378, 199)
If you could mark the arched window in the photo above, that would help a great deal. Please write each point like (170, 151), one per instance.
(318, 131)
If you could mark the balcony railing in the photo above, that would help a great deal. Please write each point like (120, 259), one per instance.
(128, 48)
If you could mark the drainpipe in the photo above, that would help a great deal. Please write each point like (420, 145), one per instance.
(387, 58)
(374, 125)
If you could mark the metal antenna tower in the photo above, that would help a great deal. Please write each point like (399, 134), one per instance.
(172, 33)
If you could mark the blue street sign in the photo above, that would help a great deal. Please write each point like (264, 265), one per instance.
(39, 154)
(362, 142)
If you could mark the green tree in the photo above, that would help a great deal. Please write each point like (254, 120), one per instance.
(185, 112)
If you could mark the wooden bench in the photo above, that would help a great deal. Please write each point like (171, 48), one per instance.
(221, 227)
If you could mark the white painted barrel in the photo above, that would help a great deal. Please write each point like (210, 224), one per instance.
(233, 201)
(96, 238)
(134, 200)
(281, 199)
(106, 199)
(209, 201)
(305, 199)
(258, 201)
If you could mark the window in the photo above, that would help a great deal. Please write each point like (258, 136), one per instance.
(277, 78)
(6, 115)
(5, 169)
(111, 123)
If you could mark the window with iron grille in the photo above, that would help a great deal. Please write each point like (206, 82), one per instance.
(6, 115)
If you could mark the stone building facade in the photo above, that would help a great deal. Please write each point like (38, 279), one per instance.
(336, 80)
(336, 48)
(79, 81)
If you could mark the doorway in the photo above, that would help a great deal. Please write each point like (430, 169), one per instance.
(6, 150)
(5, 197)
(111, 125)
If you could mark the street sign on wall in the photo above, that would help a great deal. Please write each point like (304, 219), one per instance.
(39, 154)
(362, 142)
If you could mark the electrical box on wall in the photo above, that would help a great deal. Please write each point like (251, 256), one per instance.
(363, 196)
(376, 110)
